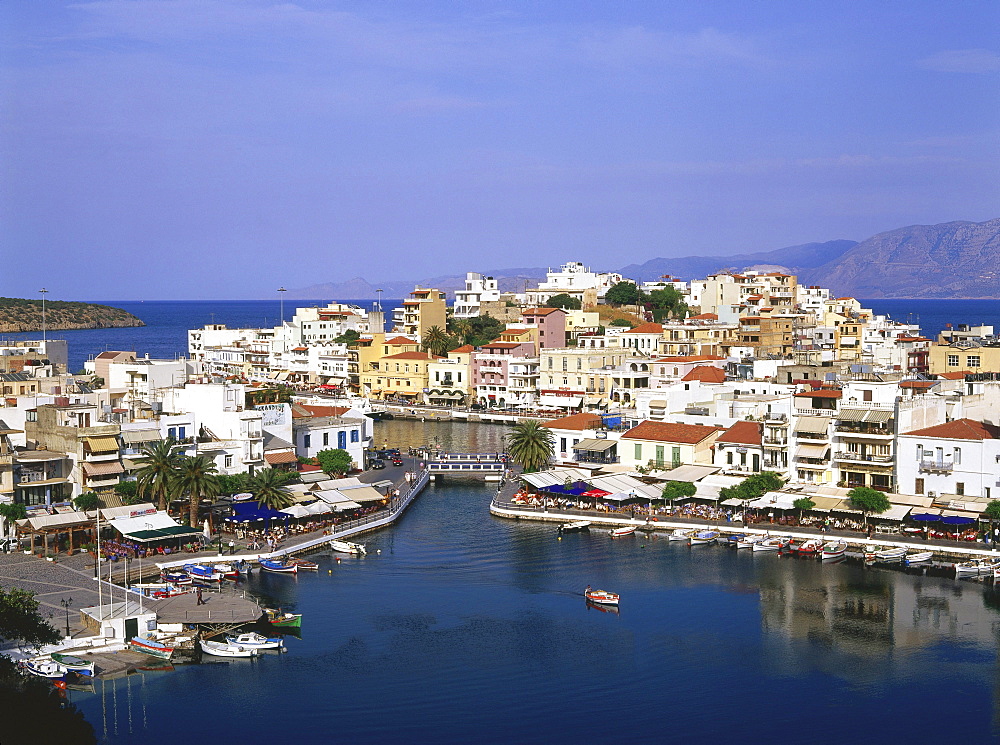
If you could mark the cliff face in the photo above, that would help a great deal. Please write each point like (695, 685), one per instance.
(18, 315)
(950, 260)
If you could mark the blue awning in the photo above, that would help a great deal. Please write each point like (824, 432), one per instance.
(245, 512)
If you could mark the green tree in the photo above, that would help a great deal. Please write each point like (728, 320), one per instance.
(234, 483)
(21, 621)
(483, 329)
(335, 461)
(349, 337)
(197, 477)
(564, 301)
(13, 511)
(158, 464)
(128, 491)
(992, 510)
(530, 444)
(869, 501)
(461, 328)
(623, 293)
(622, 322)
(269, 487)
(752, 487)
(678, 490)
(666, 303)
(803, 504)
(436, 341)
(88, 501)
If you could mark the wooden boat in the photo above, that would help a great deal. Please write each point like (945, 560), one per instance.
(810, 547)
(221, 649)
(770, 544)
(976, 567)
(614, 609)
(73, 664)
(834, 550)
(203, 573)
(278, 567)
(601, 597)
(151, 647)
(253, 639)
(176, 578)
(621, 532)
(305, 565)
(702, 537)
(44, 668)
(729, 541)
(749, 541)
(228, 571)
(576, 527)
(346, 547)
(890, 553)
(918, 558)
(283, 620)
(681, 534)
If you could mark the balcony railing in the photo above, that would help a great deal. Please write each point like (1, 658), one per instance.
(772, 417)
(863, 457)
(936, 465)
(775, 441)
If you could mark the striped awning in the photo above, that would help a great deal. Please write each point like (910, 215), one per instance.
(595, 445)
(815, 425)
(851, 415)
(102, 444)
(135, 436)
(878, 416)
(812, 451)
(108, 468)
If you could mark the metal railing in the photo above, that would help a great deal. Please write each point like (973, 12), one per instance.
(863, 457)
(935, 465)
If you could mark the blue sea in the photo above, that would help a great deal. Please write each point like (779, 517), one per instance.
(167, 322)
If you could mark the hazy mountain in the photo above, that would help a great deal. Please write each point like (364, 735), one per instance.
(950, 260)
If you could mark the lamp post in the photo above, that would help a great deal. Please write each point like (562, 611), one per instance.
(43, 292)
(282, 292)
(378, 301)
(66, 603)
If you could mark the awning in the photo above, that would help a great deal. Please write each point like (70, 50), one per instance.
(150, 527)
(362, 494)
(775, 500)
(278, 458)
(852, 415)
(344, 506)
(658, 403)
(595, 446)
(816, 425)
(62, 521)
(812, 451)
(822, 504)
(129, 510)
(136, 436)
(102, 444)
(559, 402)
(554, 476)
(43, 482)
(689, 473)
(878, 416)
(179, 531)
(108, 468)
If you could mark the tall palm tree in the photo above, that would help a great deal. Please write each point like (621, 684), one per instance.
(530, 444)
(158, 464)
(436, 340)
(268, 485)
(462, 328)
(197, 478)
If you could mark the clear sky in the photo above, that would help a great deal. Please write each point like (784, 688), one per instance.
(176, 149)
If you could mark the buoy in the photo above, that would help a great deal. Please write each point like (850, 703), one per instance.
(338, 559)
(329, 571)
(559, 538)
(378, 550)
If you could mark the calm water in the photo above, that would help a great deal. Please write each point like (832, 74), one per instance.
(467, 628)
(167, 322)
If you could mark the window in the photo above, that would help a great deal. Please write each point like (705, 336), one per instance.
(659, 453)
(920, 452)
(960, 488)
(342, 439)
(638, 451)
(972, 360)
(307, 441)
(562, 444)
(354, 435)
(957, 459)
(952, 360)
(229, 461)
(918, 486)
(172, 433)
(326, 439)
(729, 457)
(866, 395)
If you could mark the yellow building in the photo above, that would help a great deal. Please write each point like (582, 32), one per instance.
(423, 309)
(396, 376)
(946, 358)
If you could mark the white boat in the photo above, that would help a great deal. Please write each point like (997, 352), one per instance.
(834, 550)
(73, 664)
(621, 532)
(919, 557)
(602, 597)
(681, 534)
(219, 649)
(228, 571)
(346, 547)
(702, 537)
(575, 527)
(749, 541)
(976, 567)
(809, 547)
(890, 553)
(253, 639)
(770, 544)
(45, 668)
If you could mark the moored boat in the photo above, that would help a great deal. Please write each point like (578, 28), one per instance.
(253, 639)
(151, 647)
(749, 541)
(279, 567)
(283, 620)
(601, 597)
(890, 553)
(346, 547)
(976, 567)
(228, 571)
(621, 532)
(203, 572)
(834, 550)
(221, 649)
(681, 534)
(45, 668)
(73, 664)
(810, 547)
(176, 578)
(575, 527)
(919, 557)
(305, 565)
(773, 543)
(702, 537)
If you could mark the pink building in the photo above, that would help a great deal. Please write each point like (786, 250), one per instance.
(551, 325)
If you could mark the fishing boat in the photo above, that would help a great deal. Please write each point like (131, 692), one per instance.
(976, 567)
(151, 647)
(918, 558)
(278, 567)
(681, 534)
(222, 649)
(749, 541)
(203, 573)
(228, 571)
(575, 527)
(176, 578)
(283, 620)
(890, 553)
(253, 639)
(305, 565)
(44, 668)
(771, 544)
(810, 547)
(834, 550)
(346, 547)
(621, 532)
(702, 537)
(728, 540)
(73, 664)
(601, 597)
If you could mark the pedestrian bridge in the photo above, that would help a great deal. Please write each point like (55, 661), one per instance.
(487, 466)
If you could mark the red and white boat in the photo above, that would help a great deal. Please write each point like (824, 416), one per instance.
(601, 597)
(620, 532)
(810, 547)
(834, 550)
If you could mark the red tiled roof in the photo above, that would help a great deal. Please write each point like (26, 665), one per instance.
(706, 374)
(743, 433)
(397, 340)
(918, 384)
(691, 358)
(821, 394)
(670, 432)
(955, 375)
(502, 345)
(540, 311)
(325, 410)
(646, 328)
(959, 429)
(276, 459)
(465, 349)
(574, 421)
(411, 356)
(704, 317)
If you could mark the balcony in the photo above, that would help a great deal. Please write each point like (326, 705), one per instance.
(776, 419)
(864, 458)
(778, 441)
(936, 466)
(663, 465)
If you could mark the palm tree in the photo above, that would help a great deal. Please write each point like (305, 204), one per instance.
(197, 479)
(436, 340)
(269, 487)
(530, 444)
(462, 328)
(158, 465)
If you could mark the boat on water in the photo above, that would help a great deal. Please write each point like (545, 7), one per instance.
(976, 567)
(44, 668)
(176, 578)
(601, 597)
(621, 532)
(151, 647)
(919, 557)
(305, 565)
(73, 664)
(890, 553)
(771, 544)
(809, 547)
(203, 572)
(681, 534)
(283, 620)
(253, 639)
(834, 550)
(575, 527)
(729, 541)
(702, 537)
(223, 649)
(228, 571)
(346, 547)
(749, 541)
(613, 609)
(279, 567)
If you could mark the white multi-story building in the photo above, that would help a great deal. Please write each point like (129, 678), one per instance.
(478, 289)
(575, 280)
(950, 461)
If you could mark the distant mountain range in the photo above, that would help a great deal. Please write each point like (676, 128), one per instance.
(950, 260)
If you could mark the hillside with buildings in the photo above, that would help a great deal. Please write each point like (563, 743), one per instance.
(19, 315)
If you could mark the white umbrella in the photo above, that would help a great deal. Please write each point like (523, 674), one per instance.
(207, 531)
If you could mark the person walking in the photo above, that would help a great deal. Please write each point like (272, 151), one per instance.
(201, 600)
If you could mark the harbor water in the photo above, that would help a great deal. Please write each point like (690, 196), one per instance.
(460, 627)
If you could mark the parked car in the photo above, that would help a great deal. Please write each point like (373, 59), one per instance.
(392, 452)
(376, 464)
(397, 461)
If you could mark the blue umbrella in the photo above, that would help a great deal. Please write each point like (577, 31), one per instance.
(956, 520)
(925, 516)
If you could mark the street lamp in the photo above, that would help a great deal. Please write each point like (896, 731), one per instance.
(43, 292)
(66, 603)
(282, 290)
(378, 300)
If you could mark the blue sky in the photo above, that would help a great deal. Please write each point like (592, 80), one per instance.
(218, 149)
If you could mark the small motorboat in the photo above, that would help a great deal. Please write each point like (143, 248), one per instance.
(890, 553)
(304, 565)
(621, 532)
(579, 526)
(279, 567)
(702, 537)
(346, 547)
(601, 597)
(729, 541)
(45, 668)
(228, 571)
(283, 620)
(253, 639)
(151, 647)
(222, 649)
(976, 567)
(809, 547)
(203, 572)
(834, 550)
(919, 557)
(771, 544)
(749, 541)
(76, 665)
(681, 534)
(176, 578)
